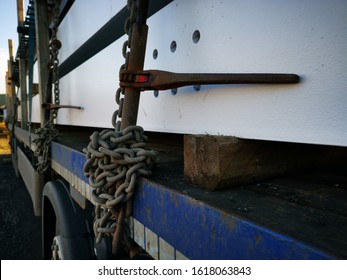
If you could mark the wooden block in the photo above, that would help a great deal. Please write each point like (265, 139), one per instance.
(215, 162)
(35, 89)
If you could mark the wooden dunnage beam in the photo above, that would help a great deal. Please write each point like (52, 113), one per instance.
(215, 162)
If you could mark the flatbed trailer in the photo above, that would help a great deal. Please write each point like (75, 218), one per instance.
(269, 198)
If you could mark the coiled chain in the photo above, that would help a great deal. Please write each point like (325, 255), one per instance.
(48, 132)
(115, 159)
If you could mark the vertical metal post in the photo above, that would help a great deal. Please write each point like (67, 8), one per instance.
(8, 94)
(132, 95)
(22, 70)
(136, 62)
(23, 92)
(12, 87)
(43, 57)
(13, 100)
(20, 11)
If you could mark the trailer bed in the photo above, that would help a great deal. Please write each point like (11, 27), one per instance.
(294, 216)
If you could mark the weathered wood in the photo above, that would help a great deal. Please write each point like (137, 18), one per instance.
(292, 205)
(20, 11)
(43, 58)
(10, 49)
(215, 162)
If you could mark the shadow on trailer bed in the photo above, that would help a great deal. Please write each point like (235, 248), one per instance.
(300, 215)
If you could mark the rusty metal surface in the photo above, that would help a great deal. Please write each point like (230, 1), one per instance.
(135, 63)
(297, 217)
(283, 218)
(200, 230)
(162, 80)
(115, 159)
(50, 106)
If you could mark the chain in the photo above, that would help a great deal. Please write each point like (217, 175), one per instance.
(48, 132)
(55, 45)
(115, 159)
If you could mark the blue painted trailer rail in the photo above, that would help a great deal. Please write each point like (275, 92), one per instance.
(201, 231)
(195, 228)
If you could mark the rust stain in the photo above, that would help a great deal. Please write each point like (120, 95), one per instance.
(173, 198)
(148, 245)
(225, 218)
(148, 211)
(258, 239)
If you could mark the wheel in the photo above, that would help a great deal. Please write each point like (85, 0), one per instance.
(57, 254)
(65, 233)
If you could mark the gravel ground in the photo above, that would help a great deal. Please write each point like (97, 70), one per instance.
(20, 230)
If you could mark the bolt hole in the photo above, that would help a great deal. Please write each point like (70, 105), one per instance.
(156, 93)
(174, 91)
(173, 46)
(155, 54)
(197, 87)
(196, 36)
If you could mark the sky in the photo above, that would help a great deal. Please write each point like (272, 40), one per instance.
(8, 30)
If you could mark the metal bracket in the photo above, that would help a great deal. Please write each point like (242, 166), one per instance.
(162, 80)
(50, 106)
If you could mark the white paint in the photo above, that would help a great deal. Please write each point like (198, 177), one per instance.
(79, 185)
(84, 19)
(304, 37)
(139, 233)
(156, 246)
(166, 251)
(152, 242)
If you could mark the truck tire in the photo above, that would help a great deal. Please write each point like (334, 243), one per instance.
(64, 225)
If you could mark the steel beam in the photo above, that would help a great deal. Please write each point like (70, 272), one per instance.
(43, 56)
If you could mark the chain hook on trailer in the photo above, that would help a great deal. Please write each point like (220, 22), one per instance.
(116, 158)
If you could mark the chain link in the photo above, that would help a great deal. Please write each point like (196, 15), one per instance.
(55, 46)
(45, 135)
(116, 158)
(48, 132)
